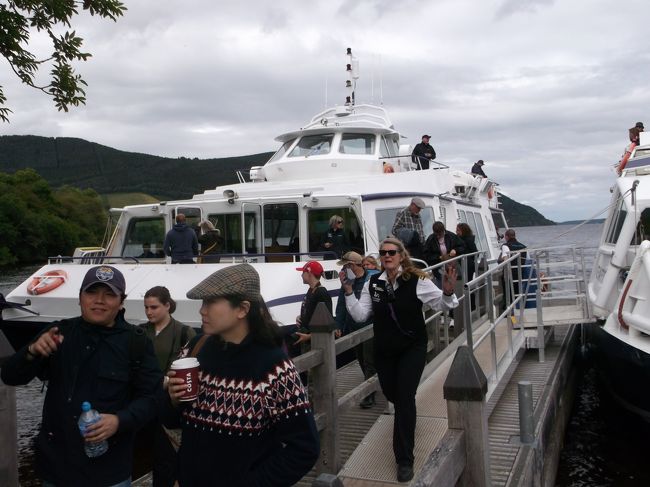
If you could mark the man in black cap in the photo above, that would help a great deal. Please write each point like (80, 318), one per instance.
(635, 131)
(96, 357)
(423, 153)
(477, 169)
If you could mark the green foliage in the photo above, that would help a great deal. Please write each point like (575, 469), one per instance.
(21, 18)
(80, 163)
(37, 222)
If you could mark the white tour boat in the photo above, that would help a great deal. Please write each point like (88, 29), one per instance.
(346, 161)
(619, 287)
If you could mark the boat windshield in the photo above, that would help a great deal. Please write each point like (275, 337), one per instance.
(313, 145)
(357, 144)
(144, 238)
(282, 150)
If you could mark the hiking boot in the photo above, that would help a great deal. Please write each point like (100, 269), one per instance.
(368, 401)
(404, 473)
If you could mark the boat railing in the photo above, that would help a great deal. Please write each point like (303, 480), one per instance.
(408, 163)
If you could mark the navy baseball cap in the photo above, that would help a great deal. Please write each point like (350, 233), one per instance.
(105, 274)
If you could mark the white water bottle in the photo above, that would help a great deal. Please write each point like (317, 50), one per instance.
(90, 416)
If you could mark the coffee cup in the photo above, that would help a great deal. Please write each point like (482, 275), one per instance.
(188, 370)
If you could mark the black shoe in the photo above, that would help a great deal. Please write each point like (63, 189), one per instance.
(368, 401)
(404, 473)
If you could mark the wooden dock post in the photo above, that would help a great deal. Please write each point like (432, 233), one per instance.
(322, 327)
(8, 430)
(465, 389)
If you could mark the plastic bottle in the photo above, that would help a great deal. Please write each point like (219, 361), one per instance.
(90, 416)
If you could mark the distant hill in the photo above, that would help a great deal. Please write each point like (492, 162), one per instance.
(119, 176)
(576, 222)
(84, 164)
(518, 215)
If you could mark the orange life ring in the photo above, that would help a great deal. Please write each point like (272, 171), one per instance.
(626, 157)
(46, 282)
(388, 168)
(490, 192)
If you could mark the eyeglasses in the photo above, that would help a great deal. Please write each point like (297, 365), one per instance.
(390, 252)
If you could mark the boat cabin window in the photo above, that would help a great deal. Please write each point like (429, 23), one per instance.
(144, 238)
(318, 223)
(616, 223)
(281, 230)
(388, 147)
(229, 224)
(499, 220)
(475, 222)
(386, 219)
(282, 150)
(642, 228)
(313, 145)
(357, 144)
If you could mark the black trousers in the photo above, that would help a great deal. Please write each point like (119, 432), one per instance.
(399, 374)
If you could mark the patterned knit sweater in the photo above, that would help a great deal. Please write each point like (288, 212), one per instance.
(251, 424)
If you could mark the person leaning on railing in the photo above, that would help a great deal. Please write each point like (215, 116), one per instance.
(395, 299)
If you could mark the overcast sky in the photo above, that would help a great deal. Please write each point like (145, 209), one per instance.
(544, 91)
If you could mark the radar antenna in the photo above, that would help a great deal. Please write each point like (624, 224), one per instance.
(352, 69)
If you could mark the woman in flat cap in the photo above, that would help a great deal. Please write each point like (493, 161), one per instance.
(251, 423)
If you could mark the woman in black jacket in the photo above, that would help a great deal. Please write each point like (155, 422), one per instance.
(465, 234)
(441, 245)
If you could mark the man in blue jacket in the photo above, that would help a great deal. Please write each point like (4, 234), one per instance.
(100, 358)
(181, 242)
(354, 271)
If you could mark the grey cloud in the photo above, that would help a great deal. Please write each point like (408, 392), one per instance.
(511, 7)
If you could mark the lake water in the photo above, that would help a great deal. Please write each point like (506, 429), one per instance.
(603, 445)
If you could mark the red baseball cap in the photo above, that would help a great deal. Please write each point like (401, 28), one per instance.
(312, 266)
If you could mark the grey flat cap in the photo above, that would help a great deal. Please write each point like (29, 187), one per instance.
(237, 280)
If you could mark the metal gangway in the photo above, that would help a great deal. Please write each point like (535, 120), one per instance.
(509, 307)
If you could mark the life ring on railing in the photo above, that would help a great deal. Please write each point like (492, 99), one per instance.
(625, 158)
(388, 168)
(46, 282)
(490, 192)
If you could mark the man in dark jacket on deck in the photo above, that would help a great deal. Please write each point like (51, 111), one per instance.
(181, 242)
(100, 358)
(423, 153)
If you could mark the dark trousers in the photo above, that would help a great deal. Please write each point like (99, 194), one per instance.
(399, 375)
(366, 357)
(154, 452)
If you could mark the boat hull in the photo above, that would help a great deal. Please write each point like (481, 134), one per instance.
(624, 369)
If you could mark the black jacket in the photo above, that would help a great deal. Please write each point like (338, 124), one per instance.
(420, 152)
(469, 244)
(314, 296)
(432, 248)
(478, 170)
(92, 364)
(339, 241)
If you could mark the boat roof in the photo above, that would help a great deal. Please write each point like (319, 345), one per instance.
(351, 118)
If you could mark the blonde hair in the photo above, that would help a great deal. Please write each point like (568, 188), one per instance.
(334, 219)
(408, 268)
(371, 259)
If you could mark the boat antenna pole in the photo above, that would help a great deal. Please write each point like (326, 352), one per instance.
(352, 69)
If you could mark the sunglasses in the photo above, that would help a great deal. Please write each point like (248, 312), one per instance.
(390, 252)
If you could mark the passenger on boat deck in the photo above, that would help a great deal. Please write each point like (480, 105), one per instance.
(211, 242)
(90, 358)
(510, 245)
(251, 424)
(465, 234)
(635, 131)
(395, 300)
(181, 242)
(477, 169)
(440, 246)
(354, 273)
(410, 219)
(146, 252)
(311, 274)
(168, 337)
(423, 153)
(370, 263)
(334, 240)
